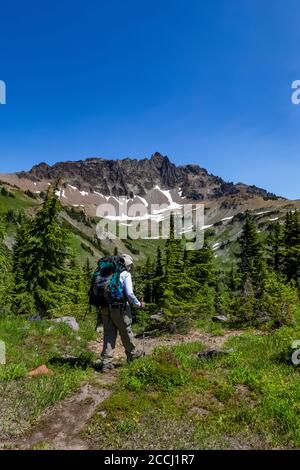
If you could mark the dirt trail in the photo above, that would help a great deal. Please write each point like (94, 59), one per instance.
(61, 425)
(208, 339)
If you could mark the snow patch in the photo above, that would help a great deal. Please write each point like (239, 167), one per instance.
(60, 193)
(166, 192)
(261, 213)
(101, 195)
(172, 205)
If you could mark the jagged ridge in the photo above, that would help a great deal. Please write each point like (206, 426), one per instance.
(135, 177)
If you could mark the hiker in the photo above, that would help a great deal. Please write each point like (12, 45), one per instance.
(116, 315)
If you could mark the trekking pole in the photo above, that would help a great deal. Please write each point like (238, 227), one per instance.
(88, 309)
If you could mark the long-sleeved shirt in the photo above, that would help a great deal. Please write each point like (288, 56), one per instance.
(126, 281)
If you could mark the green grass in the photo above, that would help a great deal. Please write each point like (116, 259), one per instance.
(20, 201)
(142, 413)
(28, 345)
(246, 399)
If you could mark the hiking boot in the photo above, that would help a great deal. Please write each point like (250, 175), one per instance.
(107, 367)
(135, 355)
(97, 365)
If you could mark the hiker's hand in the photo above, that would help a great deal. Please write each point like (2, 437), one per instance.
(142, 304)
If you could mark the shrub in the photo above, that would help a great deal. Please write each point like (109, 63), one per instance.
(278, 301)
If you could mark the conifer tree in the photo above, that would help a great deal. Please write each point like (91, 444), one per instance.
(5, 272)
(244, 306)
(178, 288)
(251, 266)
(75, 289)
(22, 293)
(275, 242)
(174, 259)
(201, 269)
(292, 247)
(148, 275)
(87, 269)
(158, 277)
(40, 257)
(232, 279)
(158, 264)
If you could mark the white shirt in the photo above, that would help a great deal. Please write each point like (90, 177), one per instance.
(126, 282)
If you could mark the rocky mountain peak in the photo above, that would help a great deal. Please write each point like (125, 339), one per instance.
(130, 177)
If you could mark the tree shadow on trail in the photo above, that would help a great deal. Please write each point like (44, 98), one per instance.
(82, 361)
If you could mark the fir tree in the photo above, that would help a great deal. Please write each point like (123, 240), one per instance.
(5, 272)
(158, 277)
(292, 247)
(76, 288)
(251, 264)
(148, 275)
(243, 309)
(275, 247)
(174, 259)
(232, 279)
(201, 269)
(22, 293)
(178, 288)
(87, 270)
(40, 257)
(158, 264)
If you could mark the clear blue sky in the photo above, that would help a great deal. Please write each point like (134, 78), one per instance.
(205, 82)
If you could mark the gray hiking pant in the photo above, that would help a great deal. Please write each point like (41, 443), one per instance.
(117, 319)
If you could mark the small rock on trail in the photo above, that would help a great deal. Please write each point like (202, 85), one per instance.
(41, 370)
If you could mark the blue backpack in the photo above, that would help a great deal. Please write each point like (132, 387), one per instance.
(106, 288)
